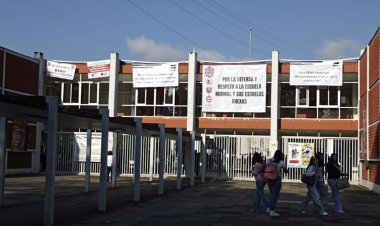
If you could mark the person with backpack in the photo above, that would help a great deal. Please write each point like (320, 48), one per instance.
(320, 186)
(312, 193)
(274, 179)
(257, 172)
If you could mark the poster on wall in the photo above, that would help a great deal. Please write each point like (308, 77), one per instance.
(18, 135)
(60, 70)
(326, 73)
(234, 88)
(81, 146)
(299, 154)
(155, 75)
(98, 69)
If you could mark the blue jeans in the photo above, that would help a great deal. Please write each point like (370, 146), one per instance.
(322, 196)
(312, 194)
(334, 196)
(274, 188)
(260, 196)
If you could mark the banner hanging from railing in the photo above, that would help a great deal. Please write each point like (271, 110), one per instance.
(155, 75)
(326, 73)
(60, 70)
(234, 88)
(98, 69)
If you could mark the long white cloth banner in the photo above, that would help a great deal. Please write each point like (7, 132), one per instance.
(60, 70)
(157, 75)
(234, 88)
(326, 73)
(96, 144)
(98, 69)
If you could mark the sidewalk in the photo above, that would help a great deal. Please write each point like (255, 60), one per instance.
(217, 203)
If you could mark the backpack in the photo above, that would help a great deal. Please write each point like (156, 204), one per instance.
(270, 171)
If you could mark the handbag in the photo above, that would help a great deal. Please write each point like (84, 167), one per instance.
(342, 183)
(309, 180)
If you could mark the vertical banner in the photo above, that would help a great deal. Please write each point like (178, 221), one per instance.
(299, 154)
(234, 88)
(157, 75)
(326, 73)
(60, 70)
(18, 135)
(98, 69)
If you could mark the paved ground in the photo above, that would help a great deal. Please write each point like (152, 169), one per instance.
(215, 203)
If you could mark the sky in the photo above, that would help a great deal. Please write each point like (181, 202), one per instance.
(167, 30)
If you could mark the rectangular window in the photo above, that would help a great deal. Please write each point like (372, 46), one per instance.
(302, 96)
(103, 93)
(70, 93)
(84, 93)
(328, 96)
(93, 93)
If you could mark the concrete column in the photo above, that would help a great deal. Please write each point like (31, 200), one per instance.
(3, 151)
(161, 164)
(112, 106)
(192, 157)
(113, 84)
(50, 160)
(203, 158)
(274, 144)
(179, 157)
(103, 161)
(192, 76)
(36, 158)
(87, 178)
(152, 161)
(136, 178)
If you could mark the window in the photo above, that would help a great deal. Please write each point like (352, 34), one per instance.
(328, 96)
(103, 93)
(302, 96)
(70, 93)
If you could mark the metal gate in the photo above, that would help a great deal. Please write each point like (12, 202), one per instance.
(231, 156)
(345, 148)
(69, 161)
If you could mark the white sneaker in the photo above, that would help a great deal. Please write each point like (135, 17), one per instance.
(273, 214)
(324, 213)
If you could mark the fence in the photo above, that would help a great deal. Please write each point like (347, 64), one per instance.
(226, 156)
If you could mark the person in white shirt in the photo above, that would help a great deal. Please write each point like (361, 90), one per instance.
(109, 165)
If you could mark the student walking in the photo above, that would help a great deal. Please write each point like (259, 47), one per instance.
(260, 183)
(109, 165)
(275, 185)
(320, 185)
(333, 171)
(312, 193)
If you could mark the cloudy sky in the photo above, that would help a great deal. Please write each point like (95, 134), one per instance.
(167, 30)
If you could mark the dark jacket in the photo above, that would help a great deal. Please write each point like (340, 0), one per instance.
(333, 170)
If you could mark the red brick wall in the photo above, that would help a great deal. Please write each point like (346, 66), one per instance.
(373, 141)
(373, 95)
(1, 66)
(21, 74)
(363, 74)
(362, 111)
(374, 60)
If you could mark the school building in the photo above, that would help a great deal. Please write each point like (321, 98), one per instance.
(225, 110)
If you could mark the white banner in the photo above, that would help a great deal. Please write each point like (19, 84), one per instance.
(234, 88)
(98, 69)
(60, 70)
(157, 75)
(96, 144)
(326, 73)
